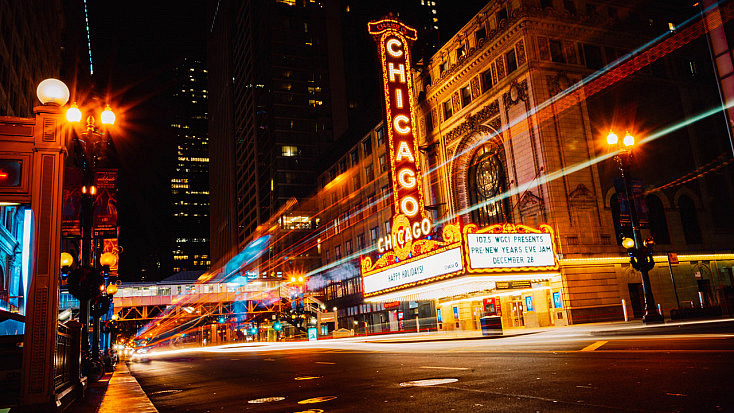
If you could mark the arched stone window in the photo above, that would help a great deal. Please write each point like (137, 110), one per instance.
(658, 223)
(689, 219)
(487, 179)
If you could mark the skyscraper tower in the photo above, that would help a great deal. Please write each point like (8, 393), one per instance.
(270, 110)
(190, 181)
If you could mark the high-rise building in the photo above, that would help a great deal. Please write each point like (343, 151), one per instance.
(269, 111)
(30, 51)
(190, 181)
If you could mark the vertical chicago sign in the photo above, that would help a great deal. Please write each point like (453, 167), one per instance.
(408, 256)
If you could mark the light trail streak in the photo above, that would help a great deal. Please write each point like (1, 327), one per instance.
(545, 111)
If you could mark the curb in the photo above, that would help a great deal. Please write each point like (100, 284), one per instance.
(125, 394)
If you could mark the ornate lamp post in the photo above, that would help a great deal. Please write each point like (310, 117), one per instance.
(89, 148)
(640, 251)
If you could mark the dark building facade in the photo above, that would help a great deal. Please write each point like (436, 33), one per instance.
(190, 181)
(270, 115)
(30, 51)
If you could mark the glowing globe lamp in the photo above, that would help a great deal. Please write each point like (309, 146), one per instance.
(73, 114)
(112, 289)
(108, 259)
(66, 259)
(108, 117)
(629, 140)
(612, 139)
(628, 243)
(52, 91)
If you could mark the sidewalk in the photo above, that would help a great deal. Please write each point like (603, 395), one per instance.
(115, 392)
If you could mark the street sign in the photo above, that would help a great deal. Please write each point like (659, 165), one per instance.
(673, 258)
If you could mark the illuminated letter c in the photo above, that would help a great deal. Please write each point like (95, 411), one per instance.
(392, 47)
(401, 124)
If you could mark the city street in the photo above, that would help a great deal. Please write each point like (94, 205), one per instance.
(564, 370)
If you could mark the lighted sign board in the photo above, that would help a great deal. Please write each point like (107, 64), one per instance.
(509, 247)
(393, 41)
(413, 272)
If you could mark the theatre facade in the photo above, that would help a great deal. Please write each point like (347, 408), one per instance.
(502, 200)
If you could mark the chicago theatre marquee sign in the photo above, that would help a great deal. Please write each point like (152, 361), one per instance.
(411, 254)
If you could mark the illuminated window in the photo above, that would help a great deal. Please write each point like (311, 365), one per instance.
(383, 163)
(380, 136)
(487, 181)
(338, 252)
(465, 95)
(289, 150)
(461, 51)
(448, 111)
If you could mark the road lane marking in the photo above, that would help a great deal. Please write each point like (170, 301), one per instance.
(428, 382)
(594, 346)
(324, 362)
(443, 368)
(319, 399)
(307, 377)
(266, 400)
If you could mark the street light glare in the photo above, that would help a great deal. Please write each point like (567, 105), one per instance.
(73, 114)
(66, 259)
(108, 117)
(53, 91)
(629, 140)
(612, 139)
(628, 243)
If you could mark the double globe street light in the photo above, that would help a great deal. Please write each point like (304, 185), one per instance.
(86, 283)
(639, 250)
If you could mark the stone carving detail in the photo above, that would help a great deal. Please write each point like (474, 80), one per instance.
(456, 102)
(500, 68)
(516, 93)
(581, 197)
(472, 122)
(520, 52)
(515, 16)
(494, 73)
(434, 116)
(495, 123)
(558, 83)
(530, 203)
(543, 49)
(475, 91)
(423, 127)
(570, 52)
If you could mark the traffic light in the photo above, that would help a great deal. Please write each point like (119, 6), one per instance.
(85, 283)
(221, 320)
(277, 326)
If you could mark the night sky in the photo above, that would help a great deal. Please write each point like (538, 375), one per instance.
(135, 45)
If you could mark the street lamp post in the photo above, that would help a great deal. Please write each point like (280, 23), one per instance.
(90, 144)
(640, 251)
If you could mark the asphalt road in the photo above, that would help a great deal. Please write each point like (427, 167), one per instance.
(546, 372)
